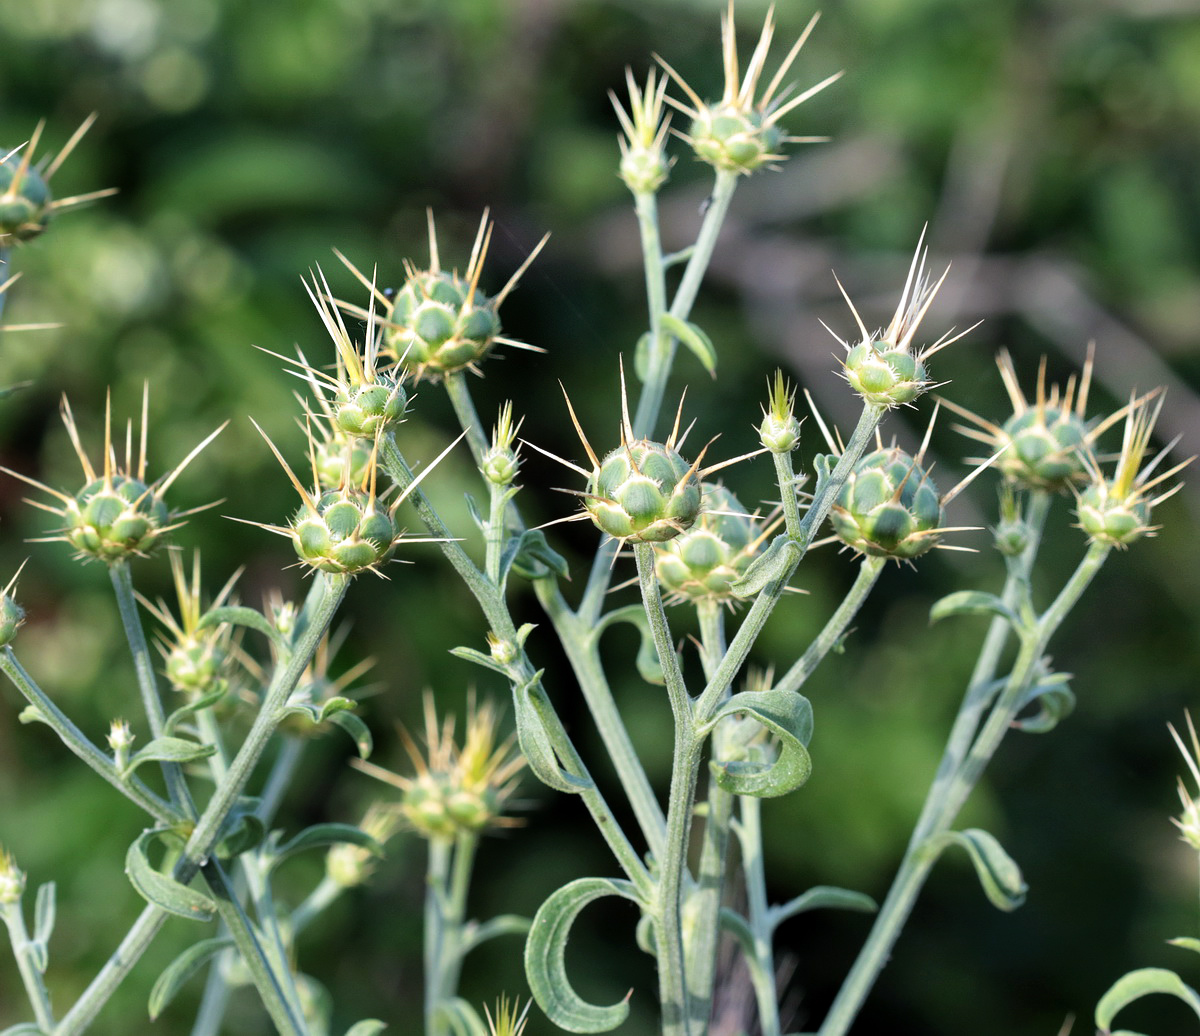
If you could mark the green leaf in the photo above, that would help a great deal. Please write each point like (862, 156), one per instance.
(1186, 943)
(649, 666)
(820, 897)
(367, 1027)
(772, 564)
(785, 714)
(241, 830)
(192, 707)
(531, 707)
(357, 729)
(160, 890)
(531, 557)
(32, 714)
(24, 1029)
(167, 750)
(545, 956)
(641, 357)
(1137, 984)
(459, 1017)
(505, 924)
(182, 968)
(973, 602)
(236, 615)
(479, 658)
(321, 835)
(1055, 700)
(998, 872)
(695, 339)
(43, 912)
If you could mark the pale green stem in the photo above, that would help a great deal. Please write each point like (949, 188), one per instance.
(685, 764)
(759, 911)
(868, 574)
(468, 417)
(143, 663)
(785, 476)
(921, 854)
(449, 878)
(826, 493)
(117, 967)
(213, 1002)
(77, 742)
(705, 910)
(31, 977)
(318, 900)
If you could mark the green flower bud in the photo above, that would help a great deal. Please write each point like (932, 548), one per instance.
(1012, 537)
(779, 431)
(643, 491)
(1111, 517)
(347, 532)
(706, 560)
(440, 324)
(25, 202)
(500, 465)
(885, 374)
(737, 141)
(644, 170)
(888, 507)
(1045, 448)
(12, 617)
(363, 410)
(114, 519)
(12, 879)
(340, 461)
(194, 662)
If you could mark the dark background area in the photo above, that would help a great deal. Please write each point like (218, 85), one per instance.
(1051, 147)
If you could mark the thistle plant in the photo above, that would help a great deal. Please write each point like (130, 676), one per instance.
(253, 684)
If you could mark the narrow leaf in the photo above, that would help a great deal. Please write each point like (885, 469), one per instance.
(322, 835)
(504, 924)
(168, 750)
(649, 666)
(788, 716)
(459, 1017)
(236, 615)
(998, 872)
(357, 729)
(770, 565)
(641, 357)
(1186, 943)
(479, 658)
(534, 558)
(31, 714)
(43, 912)
(1055, 701)
(820, 897)
(973, 602)
(39, 953)
(530, 708)
(367, 1027)
(192, 707)
(695, 339)
(160, 890)
(545, 957)
(1137, 984)
(182, 968)
(24, 1029)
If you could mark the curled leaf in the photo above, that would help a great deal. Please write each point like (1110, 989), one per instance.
(532, 708)
(545, 957)
(973, 602)
(785, 714)
(648, 665)
(182, 968)
(161, 890)
(998, 872)
(1137, 984)
(696, 340)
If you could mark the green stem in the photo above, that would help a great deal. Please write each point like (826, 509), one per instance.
(919, 858)
(704, 910)
(785, 477)
(761, 924)
(672, 962)
(868, 574)
(449, 878)
(468, 417)
(31, 977)
(143, 663)
(132, 788)
(318, 900)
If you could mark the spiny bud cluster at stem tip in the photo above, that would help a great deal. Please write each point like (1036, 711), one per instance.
(779, 430)
(349, 865)
(501, 461)
(12, 615)
(12, 879)
(1189, 821)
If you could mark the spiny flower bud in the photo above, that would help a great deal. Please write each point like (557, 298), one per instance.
(118, 514)
(120, 740)
(779, 431)
(455, 790)
(888, 507)
(741, 132)
(885, 368)
(12, 615)
(1188, 821)
(1116, 511)
(706, 560)
(643, 491)
(344, 531)
(644, 163)
(26, 203)
(438, 322)
(501, 461)
(12, 879)
(349, 865)
(366, 409)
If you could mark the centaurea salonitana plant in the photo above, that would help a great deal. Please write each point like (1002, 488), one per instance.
(710, 569)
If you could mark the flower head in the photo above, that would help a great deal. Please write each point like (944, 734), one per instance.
(348, 864)
(1117, 510)
(26, 203)
(440, 322)
(741, 132)
(117, 514)
(886, 368)
(12, 879)
(1189, 821)
(643, 139)
(457, 788)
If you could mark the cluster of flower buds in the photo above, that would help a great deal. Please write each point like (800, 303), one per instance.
(888, 507)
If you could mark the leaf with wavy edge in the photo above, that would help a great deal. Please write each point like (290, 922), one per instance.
(161, 890)
(998, 872)
(530, 705)
(785, 714)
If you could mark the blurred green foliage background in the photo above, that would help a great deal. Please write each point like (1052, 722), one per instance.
(1051, 146)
